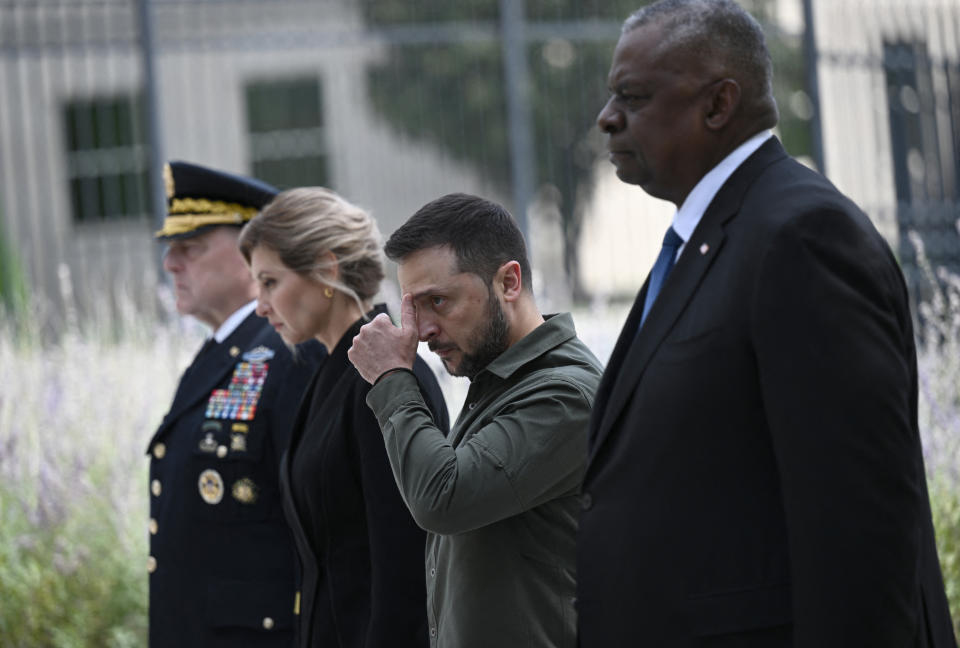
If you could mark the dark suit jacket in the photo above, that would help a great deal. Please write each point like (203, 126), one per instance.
(360, 552)
(224, 564)
(755, 474)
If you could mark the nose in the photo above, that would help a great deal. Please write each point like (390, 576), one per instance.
(171, 261)
(427, 328)
(263, 307)
(610, 120)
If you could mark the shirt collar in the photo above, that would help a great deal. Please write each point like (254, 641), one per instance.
(691, 211)
(555, 330)
(231, 323)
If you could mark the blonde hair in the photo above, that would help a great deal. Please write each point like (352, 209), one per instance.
(302, 225)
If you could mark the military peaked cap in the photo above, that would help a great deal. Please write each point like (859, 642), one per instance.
(199, 198)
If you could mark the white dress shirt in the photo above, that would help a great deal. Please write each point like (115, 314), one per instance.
(691, 211)
(231, 323)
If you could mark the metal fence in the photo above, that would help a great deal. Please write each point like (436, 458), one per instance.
(394, 102)
(890, 104)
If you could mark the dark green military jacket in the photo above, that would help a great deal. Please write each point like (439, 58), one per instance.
(499, 495)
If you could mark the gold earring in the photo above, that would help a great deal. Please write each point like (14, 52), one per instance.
(328, 292)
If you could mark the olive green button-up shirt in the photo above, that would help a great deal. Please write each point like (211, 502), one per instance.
(499, 495)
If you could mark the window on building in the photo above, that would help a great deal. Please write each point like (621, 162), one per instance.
(287, 137)
(107, 161)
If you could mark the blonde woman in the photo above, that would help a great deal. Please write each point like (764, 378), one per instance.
(317, 261)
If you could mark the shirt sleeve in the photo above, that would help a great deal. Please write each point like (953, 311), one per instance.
(528, 453)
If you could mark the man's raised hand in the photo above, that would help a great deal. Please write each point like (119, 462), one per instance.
(380, 346)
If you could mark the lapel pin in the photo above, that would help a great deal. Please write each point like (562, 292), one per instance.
(704, 248)
(234, 351)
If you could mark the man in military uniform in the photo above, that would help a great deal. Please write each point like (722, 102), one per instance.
(221, 563)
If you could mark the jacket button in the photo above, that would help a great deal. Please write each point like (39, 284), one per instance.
(159, 450)
(151, 564)
(267, 623)
(222, 451)
(155, 487)
(586, 502)
(153, 526)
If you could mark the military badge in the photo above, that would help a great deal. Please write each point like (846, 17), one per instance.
(259, 354)
(211, 486)
(244, 491)
(238, 442)
(208, 443)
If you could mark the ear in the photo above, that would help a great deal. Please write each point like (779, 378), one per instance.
(723, 101)
(510, 279)
(329, 266)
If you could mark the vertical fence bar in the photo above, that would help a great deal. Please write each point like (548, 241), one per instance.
(153, 117)
(813, 85)
(516, 74)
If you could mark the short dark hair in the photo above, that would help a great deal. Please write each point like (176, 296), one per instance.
(482, 234)
(721, 31)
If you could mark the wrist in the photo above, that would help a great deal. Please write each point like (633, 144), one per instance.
(394, 370)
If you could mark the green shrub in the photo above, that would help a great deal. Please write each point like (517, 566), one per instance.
(945, 500)
(13, 285)
(75, 417)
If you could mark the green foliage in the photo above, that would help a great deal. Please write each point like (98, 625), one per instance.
(454, 95)
(13, 284)
(945, 501)
(75, 417)
(68, 583)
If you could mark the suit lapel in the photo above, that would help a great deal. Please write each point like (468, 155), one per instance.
(679, 288)
(634, 349)
(208, 371)
(614, 365)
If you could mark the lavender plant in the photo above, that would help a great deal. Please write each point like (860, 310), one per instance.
(75, 417)
(939, 412)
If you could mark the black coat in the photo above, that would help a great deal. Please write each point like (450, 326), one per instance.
(755, 474)
(361, 554)
(220, 550)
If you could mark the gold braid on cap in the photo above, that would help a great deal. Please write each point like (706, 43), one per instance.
(188, 214)
(168, 181)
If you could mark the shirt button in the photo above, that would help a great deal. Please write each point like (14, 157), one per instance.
(471, 406)
(153, 526)
(267, 623)
(433, 572)
(151, 564)
(586, 502)
(433, 632)
(155, 487)
(159, 450)
(222, 451)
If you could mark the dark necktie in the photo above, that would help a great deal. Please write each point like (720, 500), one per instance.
(671, 243)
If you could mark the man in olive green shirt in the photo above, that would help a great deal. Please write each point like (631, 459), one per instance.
(499, 495)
